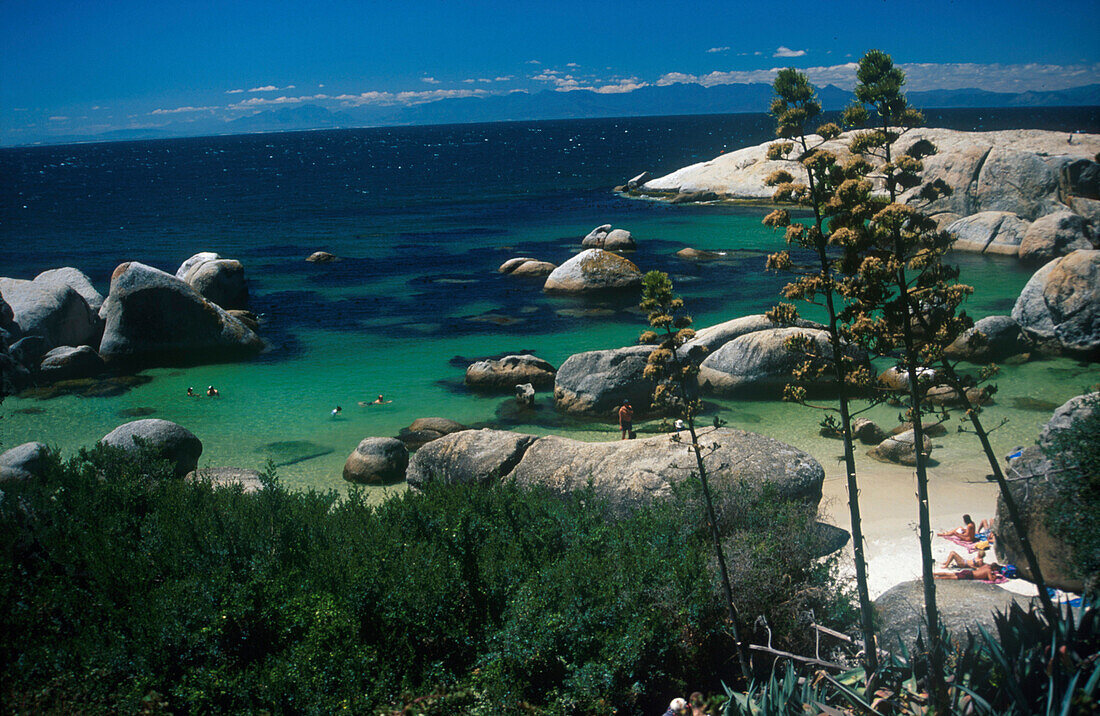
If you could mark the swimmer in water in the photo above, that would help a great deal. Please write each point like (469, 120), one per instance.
(336, 411)
(377, 401)
(212, 391)
(191, 392)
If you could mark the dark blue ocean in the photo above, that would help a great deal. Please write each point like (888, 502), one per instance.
(422, 217)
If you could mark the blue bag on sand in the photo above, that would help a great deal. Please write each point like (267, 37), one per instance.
(1009, 571)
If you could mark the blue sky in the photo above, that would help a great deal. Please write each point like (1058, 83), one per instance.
(88, 66)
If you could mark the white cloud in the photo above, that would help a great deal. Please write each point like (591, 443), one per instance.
(234, 91)
(572, 64)
(718, 49)
(782, 51)
(622, 86)
(920, 76)
(408, 97)
(255, 102)
(429, 80)
(505, 78)
(59, 118)
(533, 62)
(271, 88)
(469, 80)
(182, 110)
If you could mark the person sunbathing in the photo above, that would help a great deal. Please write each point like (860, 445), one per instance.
(966, 533)
(987, 572)
(957, 560)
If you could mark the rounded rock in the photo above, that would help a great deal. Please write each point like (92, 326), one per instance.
(377, 461)
(593, 270)
(23, 462)
(168, 440)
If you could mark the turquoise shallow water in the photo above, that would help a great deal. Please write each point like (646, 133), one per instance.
(279, 408)
(422, 217)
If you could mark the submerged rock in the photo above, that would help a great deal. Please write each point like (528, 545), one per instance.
(291, 452)
(168, 440)
(321, 257)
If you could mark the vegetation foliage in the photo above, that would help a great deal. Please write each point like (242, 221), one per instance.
(125, 590)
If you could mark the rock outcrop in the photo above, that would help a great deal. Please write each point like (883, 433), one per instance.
(377, 461)
(1059, 308)
(593, 270)
(23, 462)
(595, 383)
(168, 440)
(760, 362)
(1007, 178)
(321, 257)
(152, 318)
(505, 374)
(626, 474)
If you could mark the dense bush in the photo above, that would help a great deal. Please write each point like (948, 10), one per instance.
(124, 590)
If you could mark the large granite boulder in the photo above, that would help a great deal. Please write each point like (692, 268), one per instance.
(377, 461)
(1036, 495)
(14, 375)
(66, 362)
(626, 473)
(220, 281)
(760, 362)
(991, 339)
(1059, 307)
(1055, 235)
(593, 270)
(49, 307)
(152, 317)
(596, 383)
(962, 605)
(505, 374)
(712, 338)
(900, 449)
(170, 441)
(424, 430)
(629, 473)
(23, 462)
(1081, 178)
(993, 232)
(481, 457)
(77, 281)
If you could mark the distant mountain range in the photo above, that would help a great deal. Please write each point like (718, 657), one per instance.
(675, 99)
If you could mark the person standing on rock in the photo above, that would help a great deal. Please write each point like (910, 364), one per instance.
(626, 419)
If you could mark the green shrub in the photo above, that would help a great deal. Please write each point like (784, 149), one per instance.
(125, 590)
